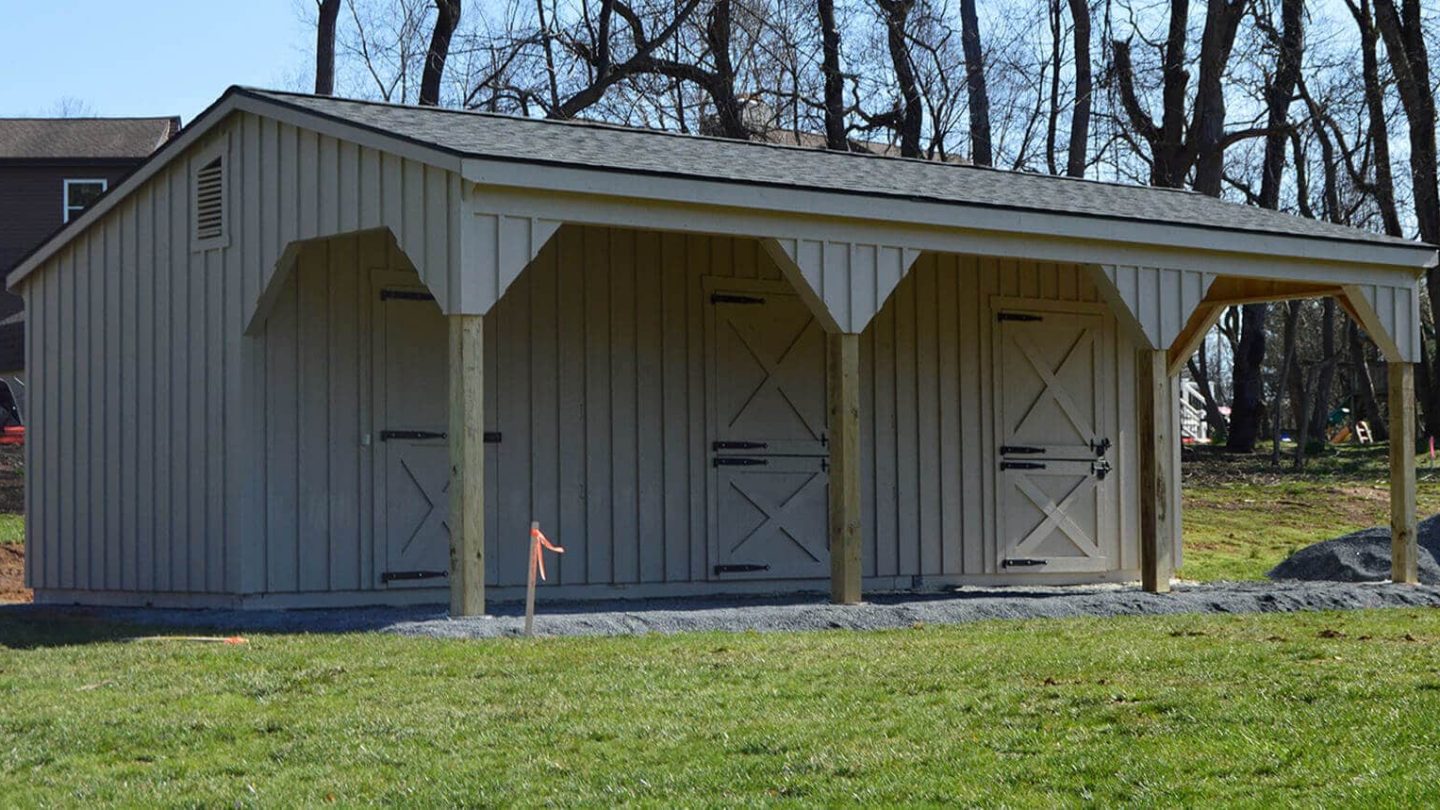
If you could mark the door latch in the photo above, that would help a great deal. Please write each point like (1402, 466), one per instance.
(1100, 468)
(1100, 446)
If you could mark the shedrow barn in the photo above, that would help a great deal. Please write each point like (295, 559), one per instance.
(319, 352)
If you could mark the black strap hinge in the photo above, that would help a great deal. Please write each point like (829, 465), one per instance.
(1019, 450)
(738, 445)
(1020, 562)
(739, 461)
(1018, 316)
(740, 568)
(729, 298)
(397, 576)
(405, 295)
(1021, 465)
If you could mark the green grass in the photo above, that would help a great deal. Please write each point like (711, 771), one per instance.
(1304, 709)
(1241, 516)
(12, 529)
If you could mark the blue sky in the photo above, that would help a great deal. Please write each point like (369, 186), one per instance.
(146, 57)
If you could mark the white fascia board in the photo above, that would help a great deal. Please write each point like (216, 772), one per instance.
(899, 211)
(812, 223)
(234, 100)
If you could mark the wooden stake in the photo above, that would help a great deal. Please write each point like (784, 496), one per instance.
(530, 579)
(1157, 538)
(845, 526)
(467, 466)
(1404, 551)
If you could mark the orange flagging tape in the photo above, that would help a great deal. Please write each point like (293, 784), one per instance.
(544, 543)
(203, 639)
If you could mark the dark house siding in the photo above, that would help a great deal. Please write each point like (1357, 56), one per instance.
(31, 199)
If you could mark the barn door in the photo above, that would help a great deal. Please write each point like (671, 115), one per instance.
(412, 455)
(1051, 374)
(766, 433)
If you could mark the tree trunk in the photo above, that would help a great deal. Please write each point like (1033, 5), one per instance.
(1220, 27)
(1325, 374)
(1080, 117)
(1287, 357)
(1404, 36)
(912, 113)
(834, 81)
(1368, 408)
(325, 47)
(1249, 387)
(447, 18)
(979, 97)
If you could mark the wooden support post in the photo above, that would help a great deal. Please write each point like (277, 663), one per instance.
(467, 466)
(1157, 529)
(845, 526)
(1404, 559)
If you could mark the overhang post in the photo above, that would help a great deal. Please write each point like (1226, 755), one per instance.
(1157, 473)
(843, 376)
(1403, 543)
(467, 466)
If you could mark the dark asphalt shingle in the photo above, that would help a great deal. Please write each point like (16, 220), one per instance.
(32, 138)
(642, 151)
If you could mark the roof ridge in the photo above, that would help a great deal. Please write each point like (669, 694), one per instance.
(605, 125)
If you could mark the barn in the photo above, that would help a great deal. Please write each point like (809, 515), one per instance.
(319, 352)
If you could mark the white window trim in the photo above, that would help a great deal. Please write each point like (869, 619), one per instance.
(65, 206)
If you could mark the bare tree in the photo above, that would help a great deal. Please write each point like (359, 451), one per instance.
(834, 101)
(981, 153)
(329, 14)
(1080, 115)
(447, 19)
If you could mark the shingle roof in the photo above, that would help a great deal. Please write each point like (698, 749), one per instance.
(84, 137)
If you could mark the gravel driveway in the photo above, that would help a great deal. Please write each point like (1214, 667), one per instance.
(785, 613)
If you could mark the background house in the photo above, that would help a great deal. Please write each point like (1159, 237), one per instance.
(51, 169)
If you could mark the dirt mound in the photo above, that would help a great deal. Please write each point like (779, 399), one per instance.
(12, 574)
(1362, 556)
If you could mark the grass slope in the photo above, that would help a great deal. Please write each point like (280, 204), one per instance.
(1307, 709)
(1241, 516)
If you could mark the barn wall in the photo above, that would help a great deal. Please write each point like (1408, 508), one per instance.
(595, 378)
(134, 369)
(927, 418)
(144, 454)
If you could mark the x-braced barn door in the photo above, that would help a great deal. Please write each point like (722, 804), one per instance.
(412, 454)
(1052, 372)
(768, 457)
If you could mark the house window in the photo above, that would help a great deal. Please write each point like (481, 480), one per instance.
(81, 194)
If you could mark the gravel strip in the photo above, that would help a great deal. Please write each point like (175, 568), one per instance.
(884, 611)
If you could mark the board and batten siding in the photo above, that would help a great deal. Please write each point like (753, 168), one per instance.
(146, 396)
(596, 380)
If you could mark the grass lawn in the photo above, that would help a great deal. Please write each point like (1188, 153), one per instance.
(1241, 516)
(12, 529)
(1300, 709)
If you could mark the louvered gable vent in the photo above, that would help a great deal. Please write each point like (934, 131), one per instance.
(210, 202)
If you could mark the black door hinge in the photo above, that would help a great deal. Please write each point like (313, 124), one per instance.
(738, 445)
(1019, 450)
(1020, 562)
(387, 435)
(1100, 446)
(1021, 465)
(405, 295)
(1018, 316)
(397, 576)
(737, 461)
(740, 568)
(729, 298)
